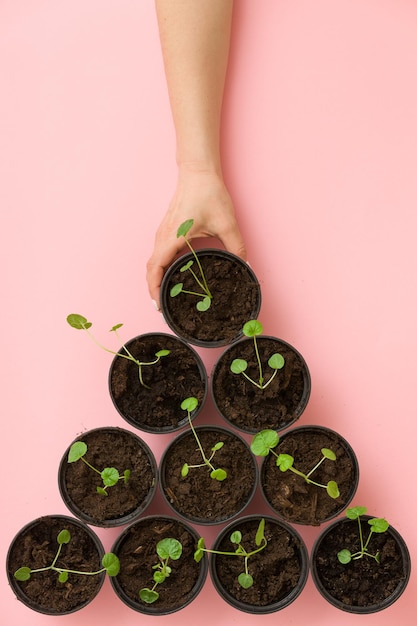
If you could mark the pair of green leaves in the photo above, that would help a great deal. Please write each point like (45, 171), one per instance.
(109, 475)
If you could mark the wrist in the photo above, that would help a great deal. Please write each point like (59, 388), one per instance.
(200, 166)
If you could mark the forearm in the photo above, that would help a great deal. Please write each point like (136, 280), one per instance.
(195, 38)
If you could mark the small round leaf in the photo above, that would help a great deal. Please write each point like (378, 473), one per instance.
(23, 573)
(111, 564)
(252, 328)
(236, 537)
(76, 451)
(276, 361)
(328, 454)
(187, 266)
(238, 366)
(184, 228)
(332, 489)
(109, 476)
(161, 353)
(78, 321)
(378, 524)
(218, 474)
(344, 556)
(264, 441)
(189, 404)
(204, 304)
(355, 511)
(64, 536)
(175, 290)
(284, 462)
(148, 595)
(169, 547)
(245, 580)
(159, 576)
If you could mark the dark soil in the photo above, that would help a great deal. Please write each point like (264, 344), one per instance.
(252, 409)
(276, 570)
(37, 548)
(199, 497)
(157, 407)
(236, 299)
(137, 554)
(109, 447)
(290, 496)
(363, 582)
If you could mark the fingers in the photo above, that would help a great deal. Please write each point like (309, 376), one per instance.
(161, 258)
(233, 242)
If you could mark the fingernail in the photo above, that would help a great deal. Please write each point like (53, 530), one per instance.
(154, 302)
(247, 263)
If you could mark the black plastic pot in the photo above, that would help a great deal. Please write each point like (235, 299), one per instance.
(236, 298)
(136, 549)
(250, 409)
(197, 497)
(43, 592)
(279, 572)
(289, 496)
(109, 447)
(329, 575)
(155, 407)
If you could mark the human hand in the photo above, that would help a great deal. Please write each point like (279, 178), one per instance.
(200, 195)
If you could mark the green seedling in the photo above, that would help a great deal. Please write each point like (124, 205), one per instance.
(245, 579)
(205, 295)
(265, 441)
(253, 328)
(81, 323)
(377, 525)
(189, 405)
(110, 475)
(110, 564)
(166, 549)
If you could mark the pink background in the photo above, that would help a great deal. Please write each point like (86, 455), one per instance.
(320, 152)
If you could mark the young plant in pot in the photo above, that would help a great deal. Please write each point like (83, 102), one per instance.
(149, 376)
(257, 565)
(208, 474)
(158, 573)
(207, 295)
(107, 476)
(360, 564)
(56, 565)
(308, 475)
(260, 382)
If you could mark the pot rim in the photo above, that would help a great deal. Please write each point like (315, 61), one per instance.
(350, 452)
(275, 606)
(152, 609)
(14, 584)
(204, 379)
(186, 433)
(111, 522)
(306, 378)
(373, 608)
(164, 295)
